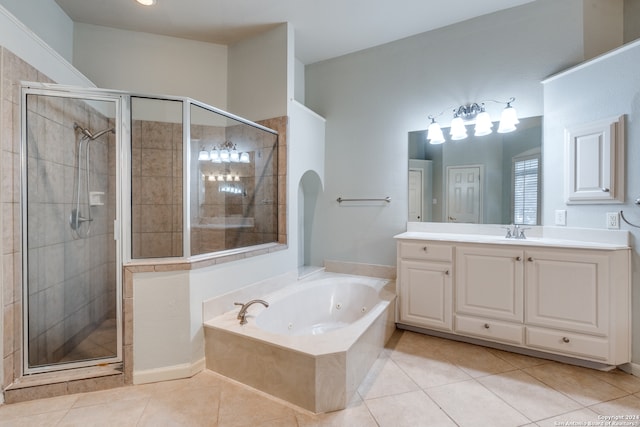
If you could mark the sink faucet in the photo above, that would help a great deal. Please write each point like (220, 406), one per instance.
(242, 314)
(516, 233)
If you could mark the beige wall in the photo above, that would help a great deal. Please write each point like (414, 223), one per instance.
(260, 76)
(147, 63)
(603, 26)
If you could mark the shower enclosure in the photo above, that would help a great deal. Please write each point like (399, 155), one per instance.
(109, 177)
(70, 203)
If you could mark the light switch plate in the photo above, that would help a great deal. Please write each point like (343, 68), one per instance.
(561, 217)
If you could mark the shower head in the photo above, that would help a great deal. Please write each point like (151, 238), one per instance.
(90, 135)
(102, 132)
(84, 131)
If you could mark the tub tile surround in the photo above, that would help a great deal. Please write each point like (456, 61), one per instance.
(318, 373)
(395, 393)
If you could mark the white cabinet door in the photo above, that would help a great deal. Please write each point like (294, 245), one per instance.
(595, 162)
(426, 294)
(568, 290)
(489, 282)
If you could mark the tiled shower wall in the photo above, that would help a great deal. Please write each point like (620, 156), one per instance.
(51, 243)
(72, 280)
(12, 70)
(156, 189)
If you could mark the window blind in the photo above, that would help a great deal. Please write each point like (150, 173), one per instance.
(525, 191)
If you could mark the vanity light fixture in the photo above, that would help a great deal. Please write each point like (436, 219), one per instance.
(147, 2)
(474, 112)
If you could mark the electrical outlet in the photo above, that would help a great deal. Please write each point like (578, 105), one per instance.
(561, 217)
(613, 220)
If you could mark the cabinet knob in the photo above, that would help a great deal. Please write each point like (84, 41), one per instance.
(424, 248)
(530, 259)
(446, 272)
(606, 190)
(486, 326)
(518, 258)
(565, 339)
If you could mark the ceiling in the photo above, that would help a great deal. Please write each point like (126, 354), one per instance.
(323, 28)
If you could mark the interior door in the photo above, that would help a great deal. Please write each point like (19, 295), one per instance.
(415, 195)
(464, 194)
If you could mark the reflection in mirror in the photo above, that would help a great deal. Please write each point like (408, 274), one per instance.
(492, 179)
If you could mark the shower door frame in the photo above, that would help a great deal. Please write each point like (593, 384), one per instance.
(122, 160)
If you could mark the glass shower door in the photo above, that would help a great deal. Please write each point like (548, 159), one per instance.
(71, 280)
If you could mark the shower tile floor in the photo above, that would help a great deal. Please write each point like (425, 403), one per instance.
(417, 381)
(100, 343)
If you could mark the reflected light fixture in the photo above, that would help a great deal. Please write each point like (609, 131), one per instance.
(226, 152)
(147, 2)
(203, 155)
(474, 112)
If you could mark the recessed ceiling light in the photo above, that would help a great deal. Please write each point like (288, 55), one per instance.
(147, 2)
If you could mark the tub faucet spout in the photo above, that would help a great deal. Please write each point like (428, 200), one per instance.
(242, 314)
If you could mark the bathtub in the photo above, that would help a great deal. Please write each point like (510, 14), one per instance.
(313, 345)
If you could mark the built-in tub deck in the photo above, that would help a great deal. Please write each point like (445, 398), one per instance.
(313, 345)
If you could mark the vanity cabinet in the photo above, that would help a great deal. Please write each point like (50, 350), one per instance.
(563, 300)
(427, 285)
(489, 282)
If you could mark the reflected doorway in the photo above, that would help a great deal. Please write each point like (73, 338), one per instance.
(464, 194)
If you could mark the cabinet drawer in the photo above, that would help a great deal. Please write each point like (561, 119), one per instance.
(568, 343)
(425, 250)
(490, 329)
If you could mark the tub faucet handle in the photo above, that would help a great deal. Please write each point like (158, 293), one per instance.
(242, 314)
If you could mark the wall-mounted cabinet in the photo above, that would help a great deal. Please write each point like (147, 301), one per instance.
(594, 169)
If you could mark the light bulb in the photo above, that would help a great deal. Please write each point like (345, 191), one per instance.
(214, 155)
(483, 124)
(458, 130)
(203, 155)
(224, 156)
(508, 120)
(244, 157)
(434, 133)
(234, 156)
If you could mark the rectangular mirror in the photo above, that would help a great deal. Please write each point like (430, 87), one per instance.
(491, 179)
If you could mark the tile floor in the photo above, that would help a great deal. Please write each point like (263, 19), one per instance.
(417, 381)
